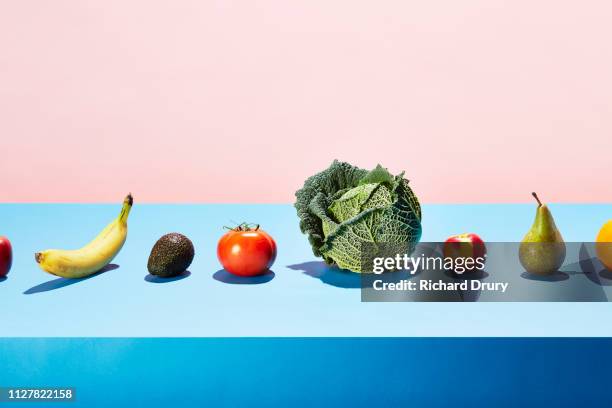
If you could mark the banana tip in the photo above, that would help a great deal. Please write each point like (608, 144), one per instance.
(38, 257)
(129, 199)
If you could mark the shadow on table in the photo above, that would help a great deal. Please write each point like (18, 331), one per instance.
(158, 279)
(2, 279)
(329, 275)
(478, 275)
(590, 265)
(555, 277)
(63, 282)
(469, 295)
(226, 277)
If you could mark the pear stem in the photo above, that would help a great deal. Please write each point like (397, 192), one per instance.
(537, 199)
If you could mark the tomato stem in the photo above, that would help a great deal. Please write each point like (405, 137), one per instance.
(243, 226)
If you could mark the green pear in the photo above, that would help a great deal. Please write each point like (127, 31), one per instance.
(542, 251)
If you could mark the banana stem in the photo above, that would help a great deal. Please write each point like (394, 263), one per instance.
(127, 206)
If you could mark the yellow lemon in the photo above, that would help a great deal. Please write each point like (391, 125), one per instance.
(603, 247)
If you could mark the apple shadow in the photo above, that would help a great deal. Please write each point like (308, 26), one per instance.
(226, 277)
(473, 275)
(2, 279)
(329, 275)
(557, 276)
(468, 295)
(63, 282)
(158, 279)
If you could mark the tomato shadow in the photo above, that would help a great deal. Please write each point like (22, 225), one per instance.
(329, 275)
(226, 277)
(158, 279)
(63, 282)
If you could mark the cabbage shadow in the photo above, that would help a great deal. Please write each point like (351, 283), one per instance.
(329, 275)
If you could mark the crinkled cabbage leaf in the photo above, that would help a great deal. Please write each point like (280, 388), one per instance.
(344, 207)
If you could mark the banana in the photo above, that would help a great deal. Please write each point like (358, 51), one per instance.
(80, 263)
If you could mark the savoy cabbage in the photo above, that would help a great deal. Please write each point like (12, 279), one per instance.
(344, 207)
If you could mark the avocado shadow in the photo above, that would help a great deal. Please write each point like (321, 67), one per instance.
(226, 277)
(555, 277)
(329, 275)
(63, 282)
(158, 279)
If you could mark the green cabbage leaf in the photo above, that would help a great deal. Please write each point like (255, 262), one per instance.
(344, 207)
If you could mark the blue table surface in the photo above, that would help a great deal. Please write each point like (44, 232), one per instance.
(313, 372)
(301, 298)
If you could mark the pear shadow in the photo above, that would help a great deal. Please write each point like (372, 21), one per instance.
(158, 279)
(63, 282)
(554, 277)
(226, 277)
(329, 275)
(2, 279)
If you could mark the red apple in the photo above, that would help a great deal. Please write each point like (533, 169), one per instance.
(6, 256)
(466, 246)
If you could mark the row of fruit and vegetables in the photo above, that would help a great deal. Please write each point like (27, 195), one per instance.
(340, 209)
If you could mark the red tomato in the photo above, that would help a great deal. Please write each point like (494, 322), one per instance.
(6, 256)
(246, 251)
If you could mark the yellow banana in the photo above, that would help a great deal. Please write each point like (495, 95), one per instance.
(79, 263)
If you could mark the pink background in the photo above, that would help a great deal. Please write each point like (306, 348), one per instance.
(240, 101)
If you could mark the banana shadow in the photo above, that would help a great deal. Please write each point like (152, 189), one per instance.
(329, 275)
(159, 279)
(63, 282)
(226, 277)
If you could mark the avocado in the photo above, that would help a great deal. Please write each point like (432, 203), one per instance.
(171, 255)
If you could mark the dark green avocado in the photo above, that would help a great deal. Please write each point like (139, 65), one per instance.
(171, 255)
